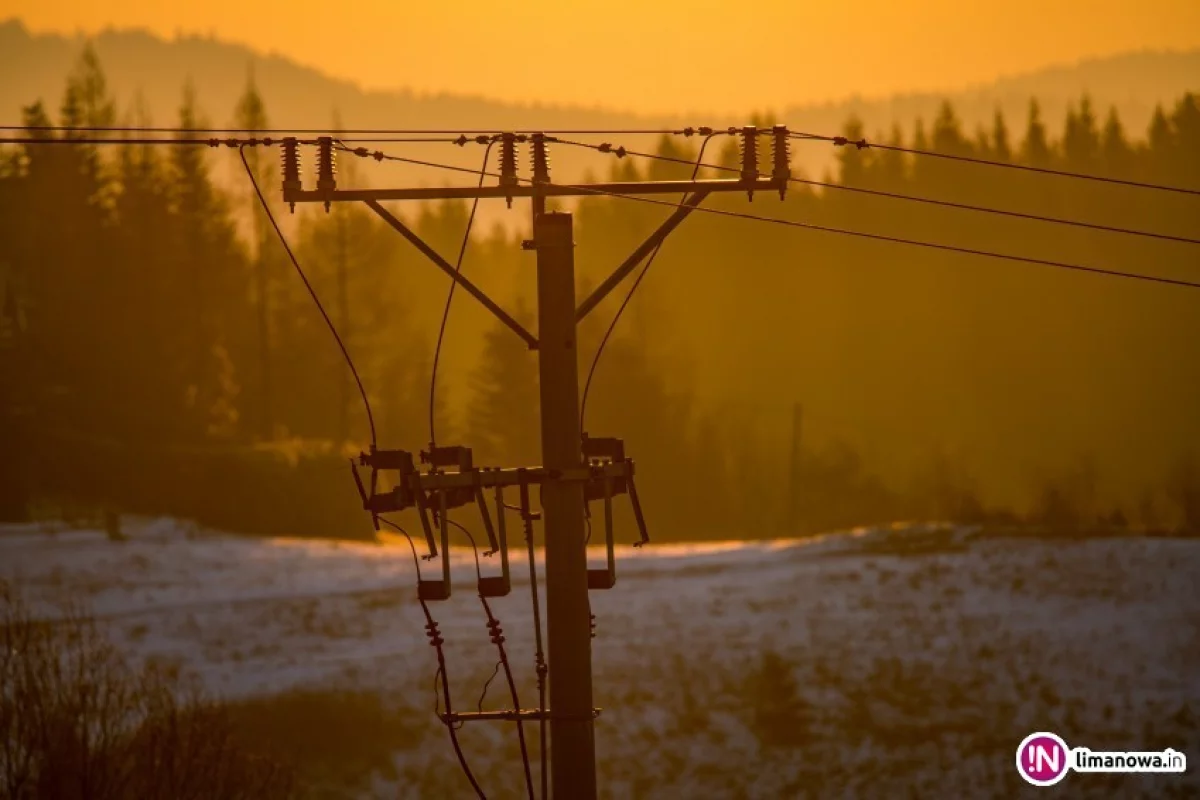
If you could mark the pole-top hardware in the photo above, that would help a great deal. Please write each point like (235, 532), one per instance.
(291, 168)
(781, 171)
(326, 169)
(540, 158)
(508, 163)
(750, 158)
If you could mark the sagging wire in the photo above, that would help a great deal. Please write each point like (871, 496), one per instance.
(440, 677)
(621, 152)
(810, 226)
(312, 293)
(527, 518)
(496, 633)
(863, 144)
(587, 386)
(378, 155)
(437, 351)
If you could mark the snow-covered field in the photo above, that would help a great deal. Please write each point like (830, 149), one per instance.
(921, 656)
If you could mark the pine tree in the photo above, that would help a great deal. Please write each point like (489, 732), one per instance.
(1081, 140)
(504, 422)
(208, 268)
(1035, 151)
(251, 114)
(1001, 147)
(1115, 151)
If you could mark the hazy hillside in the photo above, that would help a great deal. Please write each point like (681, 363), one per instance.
(36, 66)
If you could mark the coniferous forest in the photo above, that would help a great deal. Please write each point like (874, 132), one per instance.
(159, 355)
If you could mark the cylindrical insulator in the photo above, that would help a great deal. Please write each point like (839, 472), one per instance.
(782, 170)
(750, 157)
(326, 165)
(541, 160)
(291, 164)
(508, 159)
(291, 169)
(508, 162)
(326, 168)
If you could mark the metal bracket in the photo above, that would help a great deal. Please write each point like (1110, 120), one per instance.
(513, 715)
(455, 275)
(644, 249)
(602, 455)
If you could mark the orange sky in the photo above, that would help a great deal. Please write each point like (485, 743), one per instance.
(657, 55)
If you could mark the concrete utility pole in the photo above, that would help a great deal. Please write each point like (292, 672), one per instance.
(568, 614)
(576, 468)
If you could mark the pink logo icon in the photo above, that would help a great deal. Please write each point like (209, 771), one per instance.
(1042, 758)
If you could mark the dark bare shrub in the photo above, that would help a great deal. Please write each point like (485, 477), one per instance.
(78, 720)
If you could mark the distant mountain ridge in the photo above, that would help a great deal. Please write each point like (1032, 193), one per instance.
(139, 63)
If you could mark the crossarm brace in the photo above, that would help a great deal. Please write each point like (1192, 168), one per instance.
(644, 249)
(454, 274)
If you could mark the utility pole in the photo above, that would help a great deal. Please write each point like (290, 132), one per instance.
(577, 469)
(572, 745)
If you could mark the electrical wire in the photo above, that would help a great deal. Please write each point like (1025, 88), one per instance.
(312, 293)
(587, 386)
(437, 350)
(623, 151)
(487, 685)
(539, 655)
(336, 133)
(841, 231)
(862, 144)
(440, 676)
(228, 142)
(211, 142)
(493, 625)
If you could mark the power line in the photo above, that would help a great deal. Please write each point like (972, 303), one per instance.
(435, 639)
(622, 152)
(312, 292)
(498, 640)
(587, 386)
(215, 141)
(918, 242)
(830, 229)
(862, 144)
(437, 351)
(336, 133)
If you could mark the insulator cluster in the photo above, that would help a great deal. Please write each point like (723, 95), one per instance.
(495, 631)
(326, 167)
(750, 157)
(508, 162)
(291, 167)
(291, 164)
(435, 635)
(781, 171)
(540, 158)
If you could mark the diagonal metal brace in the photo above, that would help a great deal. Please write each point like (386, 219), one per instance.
(644, 249)
(454, 274)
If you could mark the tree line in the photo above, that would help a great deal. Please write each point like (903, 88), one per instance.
(159, 356)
